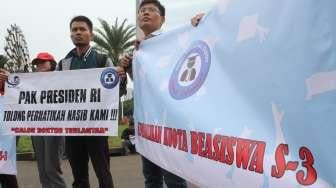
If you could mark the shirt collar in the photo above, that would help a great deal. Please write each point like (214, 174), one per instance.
(154, 34)
(157, 32)
(73, 53)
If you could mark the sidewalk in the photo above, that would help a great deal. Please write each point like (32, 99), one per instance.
(126, 172)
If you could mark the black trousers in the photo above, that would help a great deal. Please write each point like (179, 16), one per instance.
(8, 181)
(79, 149)
(155, 175)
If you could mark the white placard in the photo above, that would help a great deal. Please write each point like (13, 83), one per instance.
(75, 102)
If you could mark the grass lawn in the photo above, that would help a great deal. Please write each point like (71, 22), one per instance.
(25, 144)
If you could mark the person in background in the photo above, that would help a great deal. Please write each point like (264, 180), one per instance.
(48, 149)
(127, 135)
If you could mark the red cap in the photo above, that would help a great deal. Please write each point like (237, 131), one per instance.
(43, 56)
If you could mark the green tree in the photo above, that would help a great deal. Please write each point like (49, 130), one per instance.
(128, 107)
(16, 50)
(114, 40)
(3, 61)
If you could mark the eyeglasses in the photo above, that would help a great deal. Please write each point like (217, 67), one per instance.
(149, 9)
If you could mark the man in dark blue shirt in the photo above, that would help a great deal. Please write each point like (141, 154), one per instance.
(80, 148)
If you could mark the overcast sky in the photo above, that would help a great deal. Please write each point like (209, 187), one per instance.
(45, 23)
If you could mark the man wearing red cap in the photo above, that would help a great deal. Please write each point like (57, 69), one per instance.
(48, 149)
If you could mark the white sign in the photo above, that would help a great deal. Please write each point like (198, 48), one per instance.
(75, 102)
(7, 148)
(243, 99)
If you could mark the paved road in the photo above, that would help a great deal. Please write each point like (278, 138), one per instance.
(126, 172)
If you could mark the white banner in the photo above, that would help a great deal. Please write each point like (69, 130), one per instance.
(7, 154)
(7, 148)
(76, 102)
(244, 100)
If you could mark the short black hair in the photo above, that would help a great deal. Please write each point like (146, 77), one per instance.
(82, 19)
(156, 3)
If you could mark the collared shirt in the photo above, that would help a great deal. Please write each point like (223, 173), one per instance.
(154, 34)
(86, 61)
(89, 60)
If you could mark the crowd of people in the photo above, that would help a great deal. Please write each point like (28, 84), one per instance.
(79, 149)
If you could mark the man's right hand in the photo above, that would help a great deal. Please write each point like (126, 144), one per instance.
(3, 75)
(3, 78)
(126, 61)
(121, 72)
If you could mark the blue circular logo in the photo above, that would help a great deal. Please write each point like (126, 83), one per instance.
(109, 78)
(13, 81)
(190, 71)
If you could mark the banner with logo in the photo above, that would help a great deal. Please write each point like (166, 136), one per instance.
(7, 148)
(76, 102)
(246, 99)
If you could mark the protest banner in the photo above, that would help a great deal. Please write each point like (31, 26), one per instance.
(246, 99)
(76, 102)
(7, 148)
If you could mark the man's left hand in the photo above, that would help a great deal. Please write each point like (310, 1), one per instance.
(196, 19)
